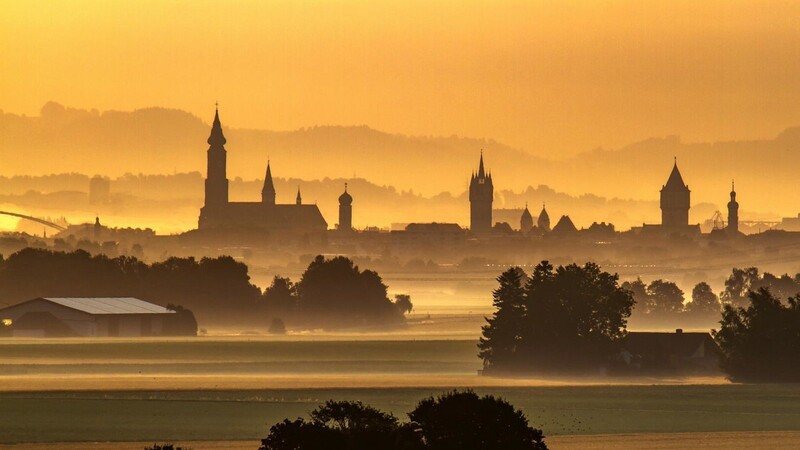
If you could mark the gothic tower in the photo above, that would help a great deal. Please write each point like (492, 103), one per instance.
(345, 211)
(299, 199)
(481, 195)
(675, 201)
(216, 178)
(733, 212)
(268, 191)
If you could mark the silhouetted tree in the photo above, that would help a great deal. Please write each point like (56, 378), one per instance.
(277, 326)
(569, 319)
(464, 421)
(762, 341)
(338, 425)
(664, 297)
(182, 323)
(503, 330)
(281, 298)
(334, 292)
(403, 303)
(456, 420)
(738, 284)
(704, 301)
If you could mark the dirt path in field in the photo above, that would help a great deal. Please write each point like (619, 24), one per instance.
(775, 440)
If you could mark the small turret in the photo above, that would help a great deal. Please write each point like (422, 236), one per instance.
(345, 211)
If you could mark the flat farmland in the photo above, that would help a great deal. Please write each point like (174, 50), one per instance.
(231, 389)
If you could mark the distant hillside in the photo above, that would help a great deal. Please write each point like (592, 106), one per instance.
(157, 140)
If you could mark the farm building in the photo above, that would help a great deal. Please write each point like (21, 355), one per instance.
(85, 316)
(670, 352)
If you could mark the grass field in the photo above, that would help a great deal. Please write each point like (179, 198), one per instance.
(232, 389)
(235, 415)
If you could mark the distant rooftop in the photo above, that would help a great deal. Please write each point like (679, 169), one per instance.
(109, 305)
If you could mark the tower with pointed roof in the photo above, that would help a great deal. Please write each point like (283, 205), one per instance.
(543, 223)
(733, 212)
(481, 196)
(675, 201)
(268, 191)
(526, 221)
(345, 211)
(251, 217)
(216, 175)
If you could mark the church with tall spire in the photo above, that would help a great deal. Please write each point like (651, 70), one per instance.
(481, 196)
(264, 216)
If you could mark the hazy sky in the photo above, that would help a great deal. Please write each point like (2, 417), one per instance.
(552, 77)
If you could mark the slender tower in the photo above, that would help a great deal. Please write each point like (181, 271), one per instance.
(733, 212)
(216, 178)
(345, 211)
(299, 199)
(481, 195)
(268, 191)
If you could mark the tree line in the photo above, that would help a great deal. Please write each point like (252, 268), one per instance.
(575, 318)
(330, 293)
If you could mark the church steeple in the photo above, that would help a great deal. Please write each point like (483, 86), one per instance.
(268, 192)
(299, 199)
(216, 176)
(216, 137)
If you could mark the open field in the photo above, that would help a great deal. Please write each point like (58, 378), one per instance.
(776, 440)
(231, 389)
(245, 414)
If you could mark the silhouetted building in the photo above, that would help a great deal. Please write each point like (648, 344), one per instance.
(481, 196)
(298, 200)
(86, 316)
(266, 215)
(430, 235)
(675, 201)
(564, 227)
(669, 352)
(345, 211)
(99, 190)
(544, 220)
(526, 221)
(502, 228)
(733, 212)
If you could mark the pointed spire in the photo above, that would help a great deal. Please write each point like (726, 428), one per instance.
(216, 138)
(481, 171)
(268, 192)
(299, 199)
(675, 180)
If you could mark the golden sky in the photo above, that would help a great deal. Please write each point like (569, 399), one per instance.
(552, 77)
